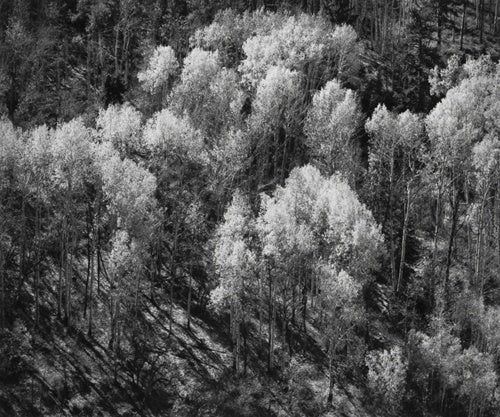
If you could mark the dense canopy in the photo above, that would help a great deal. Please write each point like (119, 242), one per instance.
(287, 209)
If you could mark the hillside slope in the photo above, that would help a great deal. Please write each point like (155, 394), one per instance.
(183, 372)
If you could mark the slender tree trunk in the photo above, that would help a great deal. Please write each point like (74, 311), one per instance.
(171, 306)
(124, 53)
(478, 19)
(275, 156)
(464, 22)
(89, 244)
(136, 297)
(189, 296)
(283, 160)
(440, 22)
(405, 233)
(97, 249)
(61, 269)
(156, 268)
(479, 246)
(304, 304)
(127, 61)
(237, 337)
(232, 332)
(492, 16)
(88, 73)
(116, 333)
(37, 268)
(58, 84)
(22, 264)
(113, 310)
(451, 241)
(69, 252)
(495, 19)
(271, 317)
(391, 222)
(173, 275)
(245, 345)
(469, 227)
(385, 25)
(117, 41)
(330, 371)
(261, 295)
(443, 396)
(481, 22)
(498, 221)
(92, 276)
(70, 272)
(437, 220)
(284, 322)
(2, 283)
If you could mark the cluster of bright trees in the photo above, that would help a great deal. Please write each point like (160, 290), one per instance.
(62, 58)
(250, 191)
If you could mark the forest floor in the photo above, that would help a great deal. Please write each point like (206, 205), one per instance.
(182, 372)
